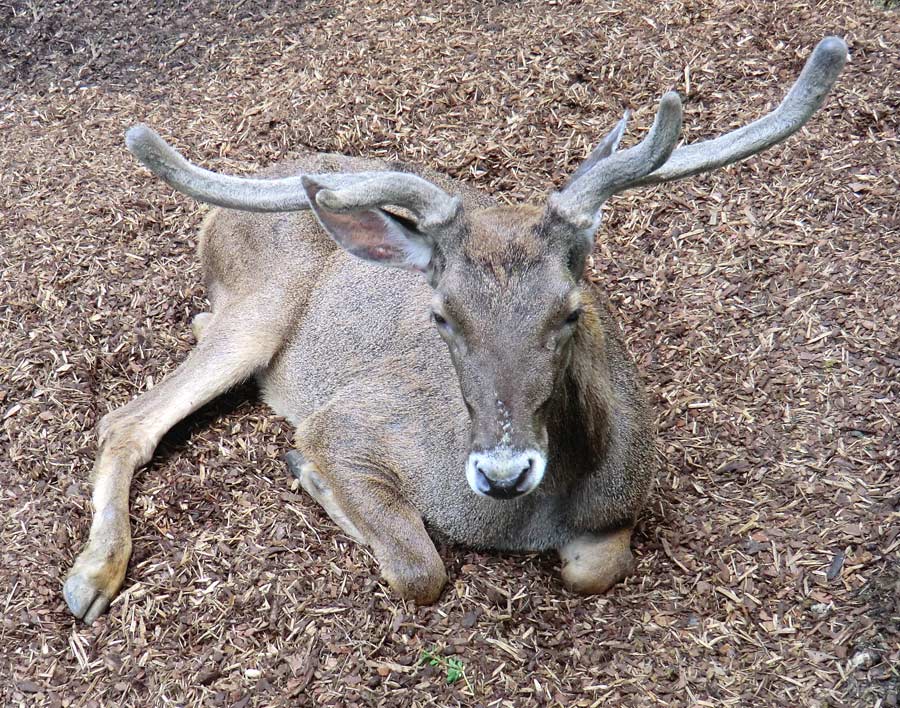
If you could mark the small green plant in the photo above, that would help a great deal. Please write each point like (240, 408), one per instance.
(453, 666)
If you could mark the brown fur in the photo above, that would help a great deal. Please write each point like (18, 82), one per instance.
(345, 350)
(501, 238)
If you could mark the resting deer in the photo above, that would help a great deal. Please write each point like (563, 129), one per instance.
(477, 392)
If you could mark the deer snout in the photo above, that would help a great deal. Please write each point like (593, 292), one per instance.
(503, 473)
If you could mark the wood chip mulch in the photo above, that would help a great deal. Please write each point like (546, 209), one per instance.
(763, 303)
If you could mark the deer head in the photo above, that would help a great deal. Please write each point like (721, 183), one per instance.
(506, 281)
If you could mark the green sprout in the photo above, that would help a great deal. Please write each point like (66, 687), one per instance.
(453, 666)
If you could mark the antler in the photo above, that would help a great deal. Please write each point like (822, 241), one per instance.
(579, 203)
(580, 200)
(343, 192)
(805, 97)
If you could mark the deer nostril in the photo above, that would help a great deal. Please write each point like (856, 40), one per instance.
(523, 475)
(482, 481)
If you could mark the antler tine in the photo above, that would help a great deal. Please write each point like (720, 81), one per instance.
(580, 200)
(804, 99)
(343, 192)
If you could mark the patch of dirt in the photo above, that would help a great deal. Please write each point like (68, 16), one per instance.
(762, 303)
(129, 41)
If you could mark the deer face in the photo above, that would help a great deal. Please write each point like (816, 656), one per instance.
(507, 305)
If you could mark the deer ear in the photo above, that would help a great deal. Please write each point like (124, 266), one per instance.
(372, 233)
(607, 147)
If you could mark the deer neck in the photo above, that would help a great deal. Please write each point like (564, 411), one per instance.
(581, 408)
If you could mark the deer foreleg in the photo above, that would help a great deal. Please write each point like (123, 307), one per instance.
(370, 509)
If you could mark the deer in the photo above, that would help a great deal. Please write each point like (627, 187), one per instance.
(453, 375)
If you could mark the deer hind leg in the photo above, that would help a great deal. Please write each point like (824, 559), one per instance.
(370, 508)
(593, 563)
(236, 343)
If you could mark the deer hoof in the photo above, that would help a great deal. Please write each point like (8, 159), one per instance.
(92, 583)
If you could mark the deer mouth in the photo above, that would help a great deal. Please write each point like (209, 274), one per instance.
(505, 473)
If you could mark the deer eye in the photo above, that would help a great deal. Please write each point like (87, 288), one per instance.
(573, 317)
(440, 320)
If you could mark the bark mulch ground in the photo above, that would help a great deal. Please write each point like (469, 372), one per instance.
(762, 302)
